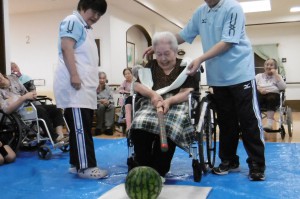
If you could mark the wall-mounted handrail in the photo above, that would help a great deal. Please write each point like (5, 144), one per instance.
(292, 82)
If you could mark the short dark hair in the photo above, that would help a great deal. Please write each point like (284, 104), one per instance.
(97, 5)
(125, 69)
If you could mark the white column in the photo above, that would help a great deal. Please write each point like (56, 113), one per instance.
(6, 35)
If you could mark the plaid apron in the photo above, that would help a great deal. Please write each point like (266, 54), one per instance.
(178, 124)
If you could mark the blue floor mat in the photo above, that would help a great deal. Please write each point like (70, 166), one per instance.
(30, 177)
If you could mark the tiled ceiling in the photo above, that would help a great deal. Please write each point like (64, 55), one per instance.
(163, 12)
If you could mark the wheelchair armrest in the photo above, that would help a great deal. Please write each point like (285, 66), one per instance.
(43, 97)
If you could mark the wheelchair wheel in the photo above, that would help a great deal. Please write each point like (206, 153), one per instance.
(197, 170)
(10, 130)
(282, 132)
(201, 154)
(44, 152)
(29, 141)
(210, 127)
(198, 163)
(131, 162)
(209, 132)
(289, 121)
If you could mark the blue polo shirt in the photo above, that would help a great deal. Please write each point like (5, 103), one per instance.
(224, 22)
(73, 27)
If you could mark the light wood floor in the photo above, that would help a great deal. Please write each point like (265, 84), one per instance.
(269, 137)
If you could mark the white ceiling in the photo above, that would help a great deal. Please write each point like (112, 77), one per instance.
(162, 12)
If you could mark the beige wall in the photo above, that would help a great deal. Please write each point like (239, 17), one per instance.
(288, 37)
(38, 58)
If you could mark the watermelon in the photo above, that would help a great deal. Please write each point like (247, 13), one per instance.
(143, 183)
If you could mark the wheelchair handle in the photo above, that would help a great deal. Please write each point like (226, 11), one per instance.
(162, 130)
(43, 97)
(195, 93)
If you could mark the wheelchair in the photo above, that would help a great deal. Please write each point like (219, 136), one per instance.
(285, 117)
(203, 116)
(121, 121)
(22, 130)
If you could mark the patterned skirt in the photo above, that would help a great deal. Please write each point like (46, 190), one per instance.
(178, 123)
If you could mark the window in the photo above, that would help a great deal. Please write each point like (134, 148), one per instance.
(259, 64)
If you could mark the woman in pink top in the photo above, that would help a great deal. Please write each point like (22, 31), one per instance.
(125, 87)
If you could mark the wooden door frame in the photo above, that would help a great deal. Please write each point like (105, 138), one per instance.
(2, 39)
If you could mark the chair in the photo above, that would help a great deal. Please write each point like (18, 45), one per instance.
(285, 117)
(22, 130)
(11, 130)
(120, 120)
(203, 149)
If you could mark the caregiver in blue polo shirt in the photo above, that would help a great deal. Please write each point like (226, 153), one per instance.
(229, 61)
(75, 84)
(230, 72)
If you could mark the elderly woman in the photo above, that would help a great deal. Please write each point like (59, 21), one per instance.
(13, 96)
(269, 84)
(125, 87)
(169, 92)
(105, 108)
(24, 79)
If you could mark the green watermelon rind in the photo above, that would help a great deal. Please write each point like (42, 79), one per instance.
(137, 184)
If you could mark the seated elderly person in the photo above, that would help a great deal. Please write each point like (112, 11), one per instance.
(13, 96)
(106, 108)
(128, 101)
(24, 79)
(28, 83)
(168, 88)
(269, 85)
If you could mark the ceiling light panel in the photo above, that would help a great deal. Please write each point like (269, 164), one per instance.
(256, 6)
(295, 9)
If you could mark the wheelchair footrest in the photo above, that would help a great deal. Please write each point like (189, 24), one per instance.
(272, 130)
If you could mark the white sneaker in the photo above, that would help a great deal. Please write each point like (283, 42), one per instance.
(93, 173)
(163, 180)
(72, 169)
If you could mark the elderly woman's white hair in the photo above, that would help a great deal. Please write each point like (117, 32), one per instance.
(101, 73)
(165, 36)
